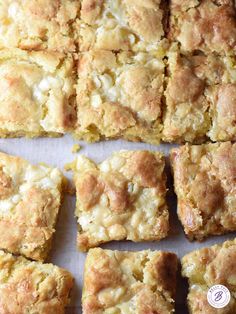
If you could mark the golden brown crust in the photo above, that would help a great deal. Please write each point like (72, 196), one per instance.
(29, 205)
(204, 183)
(198, 89)
(38, 24)
(32, 287)
(119, 95)
(207, 267)
(37, 93)
(122, 198)
(115, 25)
(224, 113)
(208, 25)
(141, 282)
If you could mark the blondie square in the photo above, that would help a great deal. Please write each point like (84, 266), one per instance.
(30, 198)
(207, 267)
(116, 25)
(129, 282)
(38, 24)
(204, 179)
(37, 93)
(200, 97)
(28, 287)
(123, 198)
(120, 96)
(204, 25)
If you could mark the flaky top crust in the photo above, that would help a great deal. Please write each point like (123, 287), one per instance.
(115, 25)
(207, 267)
(30, 198)
(32, 287)
(119, 95)
(36, 93)
(206, 25)
(205, 185)
(122, 198)
(199, 98)
(38, 24)
(129, 282)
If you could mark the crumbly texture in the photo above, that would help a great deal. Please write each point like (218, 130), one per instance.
(30, 198)
(204, 25)
(199, 98)
(116, 25)
(38, 24)
(204, 178)
(129, 282)
(120, 95)
(37, 95)
(76, 148)
(122, 198)
(32, 287)
(207, 267)
(223, 112)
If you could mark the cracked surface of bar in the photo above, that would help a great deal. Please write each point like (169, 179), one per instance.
(37, 95)
(30, 197)
(207, 267)
(129, 282)
(200, 97)
(204, 180)
(120, 96)
(32, 287)
(38, 24)
(121, 198)
(116, 25)
(208, 26)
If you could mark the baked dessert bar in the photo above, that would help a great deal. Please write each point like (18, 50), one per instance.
(223, 112)
(204, 25)
(129, 282)
(36, 93)
(204, 178)
(116, 25)
(122, 198)
(200, 98)
(205, 268)
(30, 198)
(120, 95)
(38, 24)
(32, 287)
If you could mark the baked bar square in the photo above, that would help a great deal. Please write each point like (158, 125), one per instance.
(204, 25)
(37, 93)
(204, 178)
(32, 287)
(38, 24)
(30, 198)
(121, 198)
(200, 97)
(115, 25)
(129, 282)
(205, 268)
(120, 95)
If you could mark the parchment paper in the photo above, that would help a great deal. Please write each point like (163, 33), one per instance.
(57, 152)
